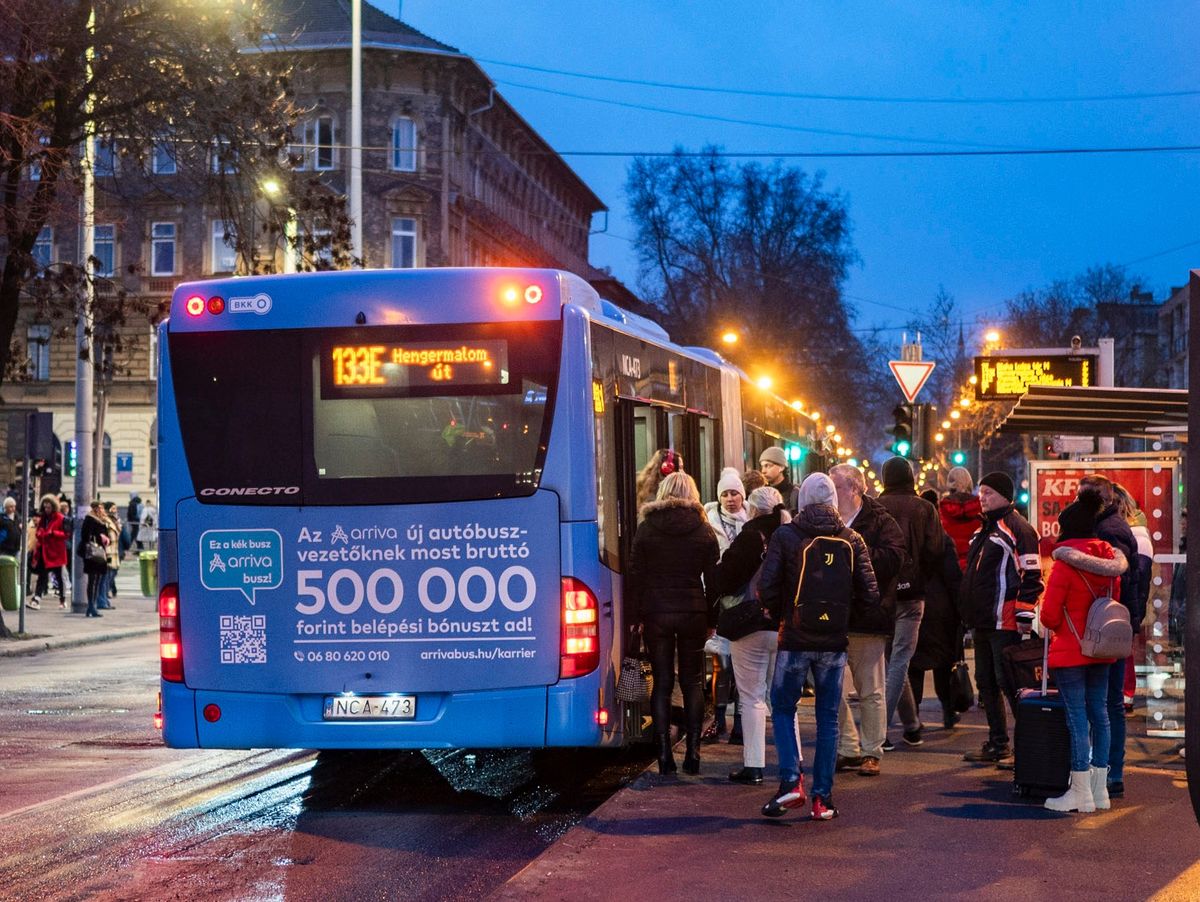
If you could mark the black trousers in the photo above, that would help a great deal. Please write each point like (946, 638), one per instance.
(992, 682)
(941, 684)
(668, 635)
(43, 581)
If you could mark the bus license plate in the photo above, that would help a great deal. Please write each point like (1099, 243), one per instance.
(371, 707)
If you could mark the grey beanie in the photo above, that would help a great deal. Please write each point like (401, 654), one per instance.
(775, 455)
(817, 489)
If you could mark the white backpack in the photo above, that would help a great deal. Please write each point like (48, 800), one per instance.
(1107, 632)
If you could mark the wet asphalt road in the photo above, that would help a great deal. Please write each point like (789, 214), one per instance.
(93, 807)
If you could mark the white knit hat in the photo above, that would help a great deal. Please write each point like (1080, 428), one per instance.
(730, 481)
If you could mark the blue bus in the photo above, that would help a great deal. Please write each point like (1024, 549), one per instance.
(396, 505)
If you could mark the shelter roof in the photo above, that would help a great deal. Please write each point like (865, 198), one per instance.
(1076, 410)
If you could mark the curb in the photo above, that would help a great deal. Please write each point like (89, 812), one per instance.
(36, 646)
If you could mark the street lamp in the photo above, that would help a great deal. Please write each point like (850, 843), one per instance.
(992, 336)
(730, 337)
(764, 382)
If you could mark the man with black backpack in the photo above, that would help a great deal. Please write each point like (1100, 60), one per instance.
(814, 572)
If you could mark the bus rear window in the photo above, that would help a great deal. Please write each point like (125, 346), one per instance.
(379, 415)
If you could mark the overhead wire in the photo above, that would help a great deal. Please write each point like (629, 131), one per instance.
(847, 98)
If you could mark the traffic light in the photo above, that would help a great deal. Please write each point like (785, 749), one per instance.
(958, 458)
(71, 465)
(902, 430)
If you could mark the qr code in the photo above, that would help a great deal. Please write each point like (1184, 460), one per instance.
(243, 639)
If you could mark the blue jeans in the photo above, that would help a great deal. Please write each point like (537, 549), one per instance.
(900, 652)
(1116, 721)
(1084, 690)
(791, 668)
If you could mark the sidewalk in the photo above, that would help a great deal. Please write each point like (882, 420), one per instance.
(51, 627)
(931, 827)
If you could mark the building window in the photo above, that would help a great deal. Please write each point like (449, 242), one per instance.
(106, 157)
(319, 152)
(404, 145)
(223, 247)
(162, 249)
(320, 242)
(38, 349)
(105, 250)
(43, 248)
(153, 343)
(35, 168)
(162, 157)
(154, 453)
(104, 477)
(404, 243)
(223, 157)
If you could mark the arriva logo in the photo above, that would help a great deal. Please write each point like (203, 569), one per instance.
(251, 490)
(260, 304)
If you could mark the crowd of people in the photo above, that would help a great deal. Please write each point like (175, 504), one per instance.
(820, 578)
(50, 543)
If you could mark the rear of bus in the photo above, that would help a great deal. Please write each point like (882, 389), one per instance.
(378, 513)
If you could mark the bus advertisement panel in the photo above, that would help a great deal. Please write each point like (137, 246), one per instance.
(424, 598)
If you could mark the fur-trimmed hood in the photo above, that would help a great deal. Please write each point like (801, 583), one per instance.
(674, 515)
(1090, 556)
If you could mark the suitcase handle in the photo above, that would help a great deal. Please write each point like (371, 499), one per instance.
(1045, 659)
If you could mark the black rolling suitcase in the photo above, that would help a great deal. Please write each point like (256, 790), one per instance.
(1041, 743)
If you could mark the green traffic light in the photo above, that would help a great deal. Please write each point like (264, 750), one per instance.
(1023, 498)
(958, 458)
(902, 448)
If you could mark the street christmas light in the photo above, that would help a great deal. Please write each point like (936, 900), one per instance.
(939, 437)
(974, 380)
(945, 424)
(830, 428)
(837, 437)
(797, 405)
(271, 187)
(816, 415)
(954, 415)
(964, 402)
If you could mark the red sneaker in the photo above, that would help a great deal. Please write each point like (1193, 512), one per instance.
(789, 796)
(822, 810)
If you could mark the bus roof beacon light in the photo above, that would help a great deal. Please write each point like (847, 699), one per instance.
(216, 304)
(509, 295)
(194, 305)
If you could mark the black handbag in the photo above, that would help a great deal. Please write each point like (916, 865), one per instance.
(93, 555)
(738, 619)
(962, 692)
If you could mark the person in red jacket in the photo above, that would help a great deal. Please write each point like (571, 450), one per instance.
(51, 555)
(961, 513)
(1085, 568)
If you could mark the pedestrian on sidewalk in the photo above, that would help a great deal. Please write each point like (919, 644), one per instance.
(922, 530)
(960, 511)
(1085, 568)
(940, 642)
(726, 517)
(94, 532)
(816, 569)
(673, 548)
(51, 554)
(754, 654)
(870, 628)
(1000, 590)
(10, 529)
(116, 549)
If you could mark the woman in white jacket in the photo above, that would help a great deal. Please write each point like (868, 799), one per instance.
(727, 516)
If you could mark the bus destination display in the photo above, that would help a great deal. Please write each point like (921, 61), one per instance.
(375, 368)
(999, 378)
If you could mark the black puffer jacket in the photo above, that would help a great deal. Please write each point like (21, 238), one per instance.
(673, 548)
(885, 542)
(739, 563)
(781, 576)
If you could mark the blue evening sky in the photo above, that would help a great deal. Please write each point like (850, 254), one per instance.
(985, 227)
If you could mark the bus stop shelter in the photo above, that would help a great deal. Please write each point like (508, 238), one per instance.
(1140, 413)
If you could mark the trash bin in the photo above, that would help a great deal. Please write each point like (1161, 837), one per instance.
(148, 561)
(10, 583)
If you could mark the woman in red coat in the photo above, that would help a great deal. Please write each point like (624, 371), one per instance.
(1085, 568)
(51, 555)
(961, 513)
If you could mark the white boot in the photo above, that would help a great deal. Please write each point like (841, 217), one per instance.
(1078, 797)
(1099, 781)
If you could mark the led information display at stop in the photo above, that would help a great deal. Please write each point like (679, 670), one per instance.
(999, 378)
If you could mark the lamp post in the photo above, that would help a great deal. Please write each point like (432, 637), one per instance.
(356, 211)
(84, 471)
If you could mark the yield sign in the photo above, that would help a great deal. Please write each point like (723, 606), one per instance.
(911, 374)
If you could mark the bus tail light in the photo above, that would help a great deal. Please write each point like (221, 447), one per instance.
(580, 652)
(170, 643)
(194, 305)
(158, 717)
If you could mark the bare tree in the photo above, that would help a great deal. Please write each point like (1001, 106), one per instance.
(763, 250)
(183, 77)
